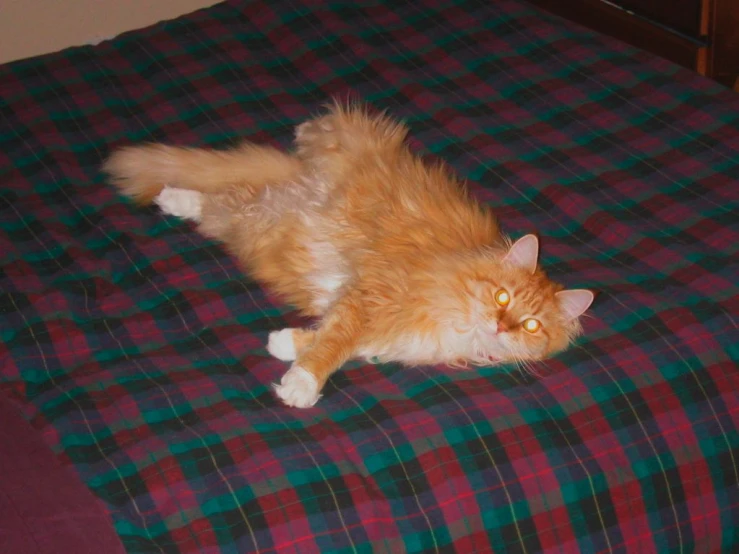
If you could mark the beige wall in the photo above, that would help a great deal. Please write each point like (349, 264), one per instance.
(31, 27)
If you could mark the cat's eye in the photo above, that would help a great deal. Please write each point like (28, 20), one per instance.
(502, 297)
(532, 325)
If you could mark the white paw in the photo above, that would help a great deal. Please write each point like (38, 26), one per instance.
(187, 204)
(281, 345)
(297, 388)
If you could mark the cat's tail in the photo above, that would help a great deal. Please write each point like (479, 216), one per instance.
(141, 172)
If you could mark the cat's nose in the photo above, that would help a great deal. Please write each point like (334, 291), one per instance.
(501, 328)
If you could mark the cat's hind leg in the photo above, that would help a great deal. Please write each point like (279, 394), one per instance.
(346, 130)
(183, 203)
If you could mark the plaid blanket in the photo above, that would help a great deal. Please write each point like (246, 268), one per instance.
(136, 347)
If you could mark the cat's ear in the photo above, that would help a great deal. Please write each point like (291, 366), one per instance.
(524, 253)
(574, 302)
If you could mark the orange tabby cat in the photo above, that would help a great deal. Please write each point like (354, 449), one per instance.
(392, 255)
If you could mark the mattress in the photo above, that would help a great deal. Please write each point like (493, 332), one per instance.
(135, 348)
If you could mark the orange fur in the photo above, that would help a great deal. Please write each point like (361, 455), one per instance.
(391, 253)
(141, 172)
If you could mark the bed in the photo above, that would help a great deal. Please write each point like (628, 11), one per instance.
(132, 350)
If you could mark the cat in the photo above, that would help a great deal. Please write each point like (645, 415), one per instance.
(391, 254)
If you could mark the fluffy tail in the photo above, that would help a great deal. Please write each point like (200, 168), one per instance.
(141, 172)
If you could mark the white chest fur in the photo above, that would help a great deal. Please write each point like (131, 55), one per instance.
(446, 346)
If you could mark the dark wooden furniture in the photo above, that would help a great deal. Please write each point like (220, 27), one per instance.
(702, 35)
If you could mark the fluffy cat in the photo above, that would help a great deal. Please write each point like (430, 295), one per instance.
(390, 253)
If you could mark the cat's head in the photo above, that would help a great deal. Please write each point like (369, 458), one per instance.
(506, 309)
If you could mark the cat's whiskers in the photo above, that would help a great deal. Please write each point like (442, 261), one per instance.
(525, 365)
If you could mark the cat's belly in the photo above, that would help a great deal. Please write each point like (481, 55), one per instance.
(328, 275)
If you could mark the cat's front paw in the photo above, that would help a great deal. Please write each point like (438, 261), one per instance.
(282, 345)
(298, 388)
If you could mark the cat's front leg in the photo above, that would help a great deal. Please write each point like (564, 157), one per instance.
(333, 343)
(286, 344)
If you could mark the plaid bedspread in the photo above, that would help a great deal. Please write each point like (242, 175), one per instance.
(136, 347)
